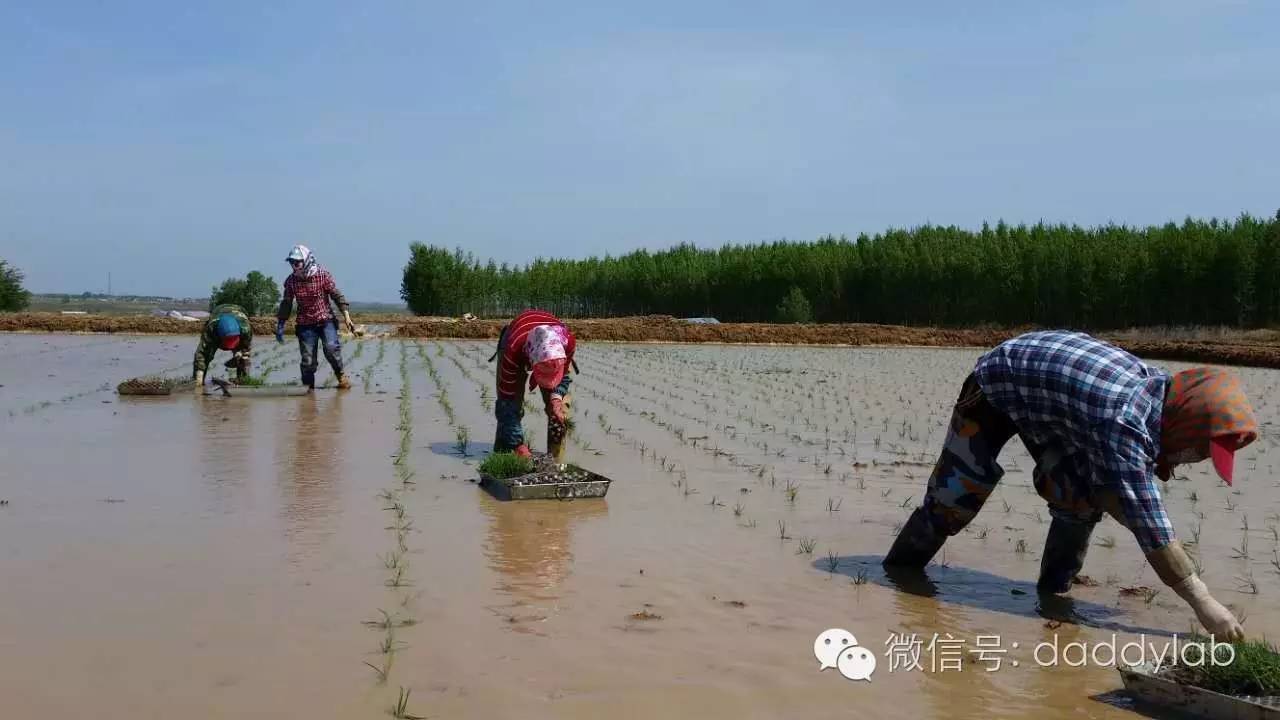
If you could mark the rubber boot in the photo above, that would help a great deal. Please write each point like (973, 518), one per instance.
(916, 544)
(1064, 551)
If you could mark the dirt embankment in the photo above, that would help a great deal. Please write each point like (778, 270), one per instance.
(121, 324)
(662, 328)
(1256, 348)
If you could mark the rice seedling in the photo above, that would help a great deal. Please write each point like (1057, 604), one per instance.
(782, 531)
(1020, 547)
(387, 621)
(716, 502)
(385, 670)
(792, 490)
(398, 579)
(1242, 552)
(1007, 506)
(886, 492)
(1231, 507)
(833, 505)
(1107, 541)
(807, 545)
(401, 708)
(833, 561)
(462, 437)
(1149, 594)
(982, 534)
(737, 509)
(861, 577)
(389, 643)
(1246, 583)
(906, 502)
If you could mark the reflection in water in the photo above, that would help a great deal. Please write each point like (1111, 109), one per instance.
(226, 438)
(955, 682)
(529, 543)
(311, 433)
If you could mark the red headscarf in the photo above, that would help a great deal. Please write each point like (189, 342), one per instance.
(1206, 414)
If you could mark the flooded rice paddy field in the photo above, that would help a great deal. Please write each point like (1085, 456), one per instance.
(312, 557)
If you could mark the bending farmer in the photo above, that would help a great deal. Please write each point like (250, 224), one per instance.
(1101, 426)
(535, 342)
(227, 328)
(314, 287)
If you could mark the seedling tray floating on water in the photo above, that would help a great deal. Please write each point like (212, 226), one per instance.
(155, 386)
(550, 481)
(232, 390)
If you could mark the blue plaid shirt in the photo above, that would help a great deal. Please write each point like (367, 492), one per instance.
(1095, 405)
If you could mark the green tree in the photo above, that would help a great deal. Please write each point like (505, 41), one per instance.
(1195, 272)
(258, 294)
(795, 307)
(13, 296)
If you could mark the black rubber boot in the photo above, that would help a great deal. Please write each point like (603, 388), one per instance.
(916, 544)
(1064, 552)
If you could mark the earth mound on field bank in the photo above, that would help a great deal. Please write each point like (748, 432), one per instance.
(1255, 348)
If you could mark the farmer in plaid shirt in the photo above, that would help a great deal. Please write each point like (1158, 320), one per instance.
(1102, 426)
(313, 287)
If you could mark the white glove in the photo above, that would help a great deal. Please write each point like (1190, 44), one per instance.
(1216, 618)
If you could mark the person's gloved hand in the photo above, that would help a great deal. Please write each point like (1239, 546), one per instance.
(279, 331)
(557, 408)
(1216, 618)
(523, 451)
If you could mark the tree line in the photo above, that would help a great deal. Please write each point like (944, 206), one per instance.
(1213, 272)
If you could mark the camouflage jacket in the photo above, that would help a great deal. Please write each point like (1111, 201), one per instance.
(209, 337)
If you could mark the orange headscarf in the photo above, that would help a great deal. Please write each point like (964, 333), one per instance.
(1206, 414)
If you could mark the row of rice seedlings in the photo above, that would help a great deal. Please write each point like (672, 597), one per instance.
(367, 375)
(395, 561)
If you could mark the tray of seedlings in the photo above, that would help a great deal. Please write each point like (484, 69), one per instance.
(508, 476)
(253, 387)
(1211, 680)
(155, 385)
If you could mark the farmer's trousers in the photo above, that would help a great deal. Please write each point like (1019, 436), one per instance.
(326, 335)
(967, 472)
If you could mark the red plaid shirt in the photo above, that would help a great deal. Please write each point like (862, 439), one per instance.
(313, 296)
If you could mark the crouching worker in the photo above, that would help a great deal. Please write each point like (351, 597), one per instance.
(538, 346)
(1101, 426)
(227, 328)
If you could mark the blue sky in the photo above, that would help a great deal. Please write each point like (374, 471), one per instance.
(175, 146)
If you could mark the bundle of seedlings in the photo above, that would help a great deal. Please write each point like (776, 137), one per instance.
(1249, 668)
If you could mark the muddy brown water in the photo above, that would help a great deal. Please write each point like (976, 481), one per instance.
(220, 557)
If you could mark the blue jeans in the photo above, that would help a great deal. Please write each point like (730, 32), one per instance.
(308, 337)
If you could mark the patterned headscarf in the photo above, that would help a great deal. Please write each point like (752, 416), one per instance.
(545, 348)
(1206, 414)
(309, 267)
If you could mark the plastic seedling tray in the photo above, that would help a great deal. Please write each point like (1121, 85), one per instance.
(1157, 690)
(549, 481)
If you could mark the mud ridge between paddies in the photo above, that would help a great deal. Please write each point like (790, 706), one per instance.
(1254, 348)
